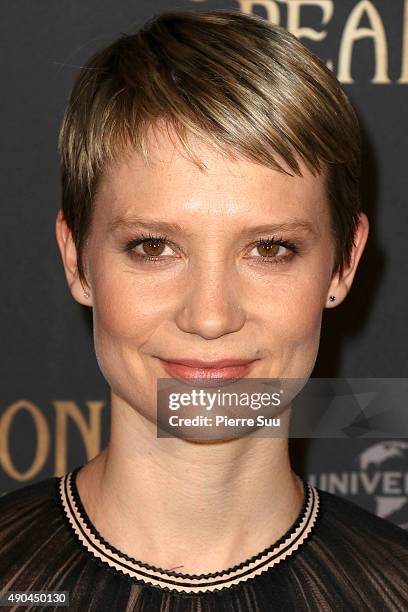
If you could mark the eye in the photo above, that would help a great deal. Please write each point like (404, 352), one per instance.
(153, 248)
(149, 248)
(268, 249)
(273, 250)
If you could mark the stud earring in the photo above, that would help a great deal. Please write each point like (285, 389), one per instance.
(86, 294)
(332, 298)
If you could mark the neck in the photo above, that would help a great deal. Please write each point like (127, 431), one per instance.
(184, 506)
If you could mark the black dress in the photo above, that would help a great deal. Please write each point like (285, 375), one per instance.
(335, 556)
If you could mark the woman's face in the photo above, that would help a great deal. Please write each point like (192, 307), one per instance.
(214, 290)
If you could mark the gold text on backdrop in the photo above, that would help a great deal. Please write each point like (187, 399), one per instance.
(364, 11)
(66, 413)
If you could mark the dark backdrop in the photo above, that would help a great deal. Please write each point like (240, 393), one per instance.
(54, 401)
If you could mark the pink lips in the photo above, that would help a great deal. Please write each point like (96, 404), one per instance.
(195, 370)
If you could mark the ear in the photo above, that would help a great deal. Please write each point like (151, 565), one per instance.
(339, 287)
(68, 251)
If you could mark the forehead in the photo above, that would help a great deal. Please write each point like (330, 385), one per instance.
(169, 178)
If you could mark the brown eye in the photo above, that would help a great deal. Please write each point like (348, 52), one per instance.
(268, 249)
(153, 247)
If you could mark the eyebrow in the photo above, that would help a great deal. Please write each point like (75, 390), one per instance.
(295, 225)
(119, 223)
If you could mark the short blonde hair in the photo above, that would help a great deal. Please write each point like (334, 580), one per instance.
(243, 85)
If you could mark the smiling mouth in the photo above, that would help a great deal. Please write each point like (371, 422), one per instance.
(197, 372)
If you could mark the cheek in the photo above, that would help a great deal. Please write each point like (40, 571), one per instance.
(304, 312)
(292, 319)
(124, 320)
(127, 306)
(295, 306)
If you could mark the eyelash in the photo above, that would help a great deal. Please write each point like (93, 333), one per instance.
(291, 246)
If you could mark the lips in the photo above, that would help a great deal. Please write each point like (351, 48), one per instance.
(198, 371)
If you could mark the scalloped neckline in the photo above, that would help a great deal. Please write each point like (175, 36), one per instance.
(144, 573)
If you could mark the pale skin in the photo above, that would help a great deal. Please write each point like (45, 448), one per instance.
(173, 503)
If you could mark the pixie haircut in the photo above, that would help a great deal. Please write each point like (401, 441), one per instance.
(249, 88)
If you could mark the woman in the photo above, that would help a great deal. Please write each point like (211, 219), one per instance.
(210, 168)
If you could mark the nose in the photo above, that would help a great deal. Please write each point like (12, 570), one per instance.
(210, 305)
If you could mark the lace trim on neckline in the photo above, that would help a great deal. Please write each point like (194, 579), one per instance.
(148, 574)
